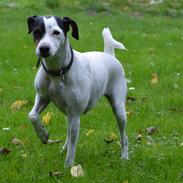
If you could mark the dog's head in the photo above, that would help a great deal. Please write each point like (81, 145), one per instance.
(50, 32)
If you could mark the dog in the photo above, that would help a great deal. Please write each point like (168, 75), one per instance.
(75, 81)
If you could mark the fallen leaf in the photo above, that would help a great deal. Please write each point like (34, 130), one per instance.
(151, 130)
(17, 142)
(6, 129)
(136, 14)
(129, 113)
(126, 181)
(90, 132)
(108, 141)
(131, 98)
(126, 8)
(128, 80)
(56, 174)
(138, 138)
(131, 88)
(23, 126)
(4, 151)
(54, 141)
(151, 50)
(47, 117)
(18, 104)
(154, 78)
(111, 138)
(119, 143)
(77, 171)
(24, 155)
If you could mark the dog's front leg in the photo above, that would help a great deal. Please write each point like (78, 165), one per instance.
(73, 133)
(39, 106)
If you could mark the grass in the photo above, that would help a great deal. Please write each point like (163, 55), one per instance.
(154, 39)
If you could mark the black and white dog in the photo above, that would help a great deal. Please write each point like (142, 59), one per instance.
(75, 81)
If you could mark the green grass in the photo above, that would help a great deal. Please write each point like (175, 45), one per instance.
(154, 39)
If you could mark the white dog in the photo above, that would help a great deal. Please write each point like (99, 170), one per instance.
(75, 81)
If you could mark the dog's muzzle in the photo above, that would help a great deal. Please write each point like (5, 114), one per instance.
(44, 51)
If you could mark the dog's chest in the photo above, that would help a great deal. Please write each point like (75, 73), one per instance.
(56, 91)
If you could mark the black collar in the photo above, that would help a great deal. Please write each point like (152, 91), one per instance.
(60, 72)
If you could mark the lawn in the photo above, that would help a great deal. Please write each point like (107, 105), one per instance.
(153, 65)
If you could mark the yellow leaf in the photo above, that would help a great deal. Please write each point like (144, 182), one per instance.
(139, 138)
(17, 142)
(24, 155)
(47, 117)
(90, 132)
(129, 113)
(113, 136)
(77, 171)
(154, 78)
(18, 104)
(119, 144)
(126, 181)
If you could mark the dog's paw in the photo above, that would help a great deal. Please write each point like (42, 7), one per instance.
(68, 164)
(43, 136)
(124, 156)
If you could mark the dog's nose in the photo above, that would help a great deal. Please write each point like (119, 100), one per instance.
(44, 51)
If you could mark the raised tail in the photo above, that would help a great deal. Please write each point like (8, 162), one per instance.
(110, 43)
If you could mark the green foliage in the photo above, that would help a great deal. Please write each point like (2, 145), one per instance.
(154, 41)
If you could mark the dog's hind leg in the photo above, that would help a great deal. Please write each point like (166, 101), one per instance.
(39, 105)
(117, 99)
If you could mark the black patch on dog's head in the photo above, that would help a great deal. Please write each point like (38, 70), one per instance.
(65, 24)
(37, 27)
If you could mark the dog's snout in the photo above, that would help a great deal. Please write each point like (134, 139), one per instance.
(44, 51)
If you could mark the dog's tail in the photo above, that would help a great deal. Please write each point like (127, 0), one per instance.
(110, 43)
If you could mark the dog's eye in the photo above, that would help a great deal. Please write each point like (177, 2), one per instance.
(37, 34)
(56, 32)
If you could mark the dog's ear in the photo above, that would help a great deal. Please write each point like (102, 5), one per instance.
(30, 23)
(69, 22)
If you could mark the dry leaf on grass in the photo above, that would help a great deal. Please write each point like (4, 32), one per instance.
(111, 138)
(126, 181)
(119, 143)
(151, 50)
(17, 142)
(54, 141)
(131, 98)
(77, 171)
(151, 130)
(47, 117)
(129, 113)
(18, 104)
(6, 129)
(4, 151)
(24, 155)
(138, 138)
(56, 174)
(90, 132)
(154, 78)
(131, 88)
(23, 126)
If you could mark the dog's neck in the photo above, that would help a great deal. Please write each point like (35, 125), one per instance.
(61, 59)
